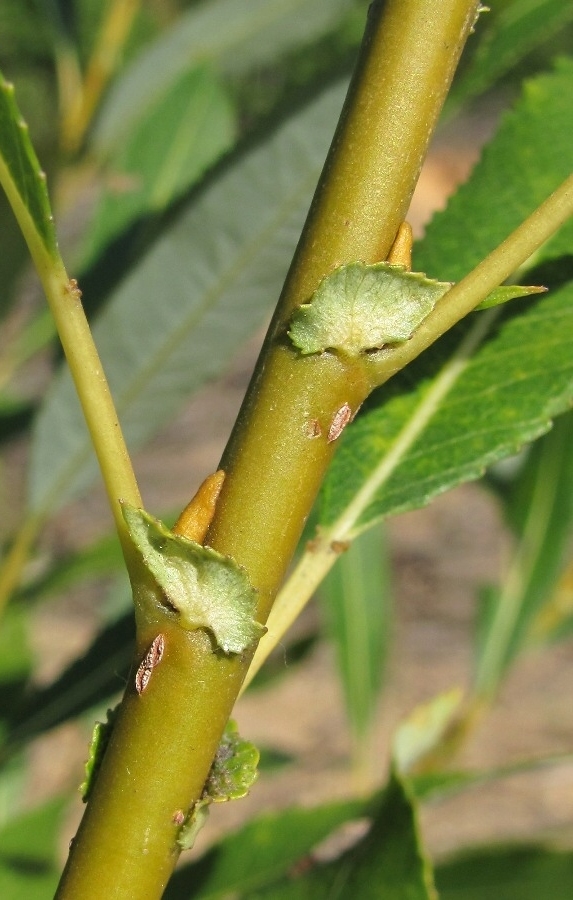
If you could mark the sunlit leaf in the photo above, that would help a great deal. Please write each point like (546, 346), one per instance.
(494, 382)
(510, 32)
(21, 175)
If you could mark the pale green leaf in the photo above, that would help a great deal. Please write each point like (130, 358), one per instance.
(494, 382)
(202, 587)
(232, 36)
(21, 175)
(181, 134)
(539, 507)
(389, 862)
(508, 292)
(356, 601)
(507, 873)
(362, 307)
(421, 732)
(510, 31)
(180, 316)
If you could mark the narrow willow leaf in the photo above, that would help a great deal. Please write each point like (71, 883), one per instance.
(261, 852)
(21, 175)
(201, 289)
(28, 847)
(180, 135)
(202, 587)
(495, 381)
(539, 507)
(507, 873)
(510, 32)
(357, 605)
(507, 292)
(232, 36)
(438, 785)
(388, 862)
(420, 733)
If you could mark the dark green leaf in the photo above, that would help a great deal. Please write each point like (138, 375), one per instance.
(21, 175)
(261, 852)
(28, 846)
(357, 606)
(510, 32)
(178, 318)
(232, 36)
(388, 862)
(529, 157)
(507, 873)
(93, 678)
(181, 135)
(494, 382)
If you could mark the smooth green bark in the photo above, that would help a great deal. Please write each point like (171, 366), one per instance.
(165, 738)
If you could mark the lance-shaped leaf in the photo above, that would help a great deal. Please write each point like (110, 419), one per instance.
(206, 589)
(231, 36)
(357, 605)
(198, 292)
(23, 179)
(539, 508)
(180, 135)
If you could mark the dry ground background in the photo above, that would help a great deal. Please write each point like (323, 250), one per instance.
(440, 556)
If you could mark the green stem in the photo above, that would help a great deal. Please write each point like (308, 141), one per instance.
(165, 739)
(64, 299)
(98, 407)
